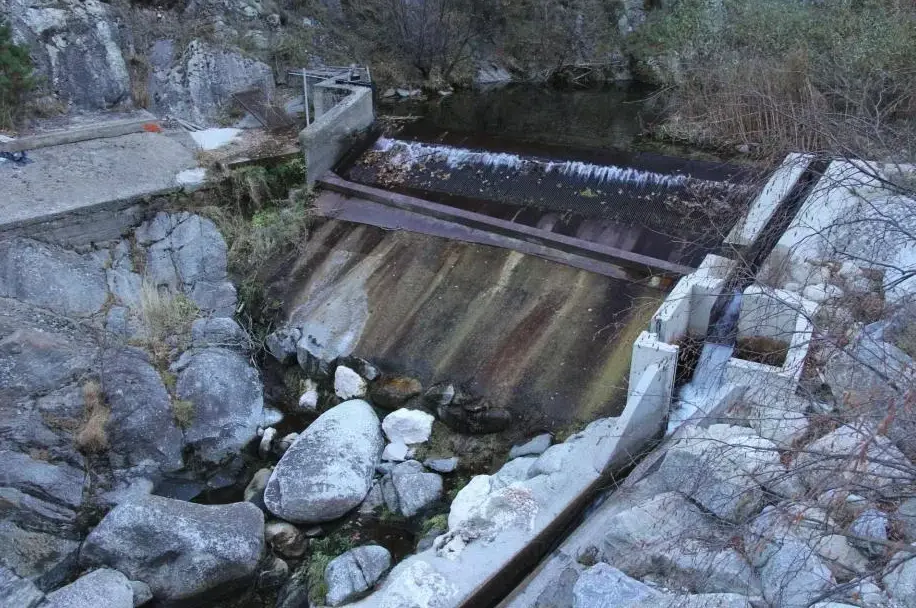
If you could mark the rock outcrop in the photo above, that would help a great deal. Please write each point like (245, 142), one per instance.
(88, 420)
(103, 587)
(202, 80)
(185, 253)
(76, 46)
(141, 425)
(228, 403)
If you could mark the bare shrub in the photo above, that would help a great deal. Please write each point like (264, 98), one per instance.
(166, 320)
(785, 76)
(433, 36)
(92, 437)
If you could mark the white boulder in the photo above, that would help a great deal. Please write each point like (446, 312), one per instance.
(408, 426)
(348, 384)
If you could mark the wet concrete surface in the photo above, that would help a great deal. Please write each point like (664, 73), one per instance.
(549, 341)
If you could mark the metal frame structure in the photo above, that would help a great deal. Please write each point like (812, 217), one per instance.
(326, 77)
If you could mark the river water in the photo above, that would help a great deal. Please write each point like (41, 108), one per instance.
(614, 117)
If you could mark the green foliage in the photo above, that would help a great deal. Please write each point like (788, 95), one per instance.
(258, 217)
(460, 482)
(322, 551)
(16, 79)
(436, 522)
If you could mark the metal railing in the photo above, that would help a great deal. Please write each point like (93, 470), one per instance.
(322, 80)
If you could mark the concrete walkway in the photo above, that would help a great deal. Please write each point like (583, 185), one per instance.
(81, 175)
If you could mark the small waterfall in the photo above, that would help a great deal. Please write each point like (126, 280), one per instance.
(710, 369)
(409, 153)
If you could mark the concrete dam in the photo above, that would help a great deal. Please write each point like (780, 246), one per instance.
(524, 273)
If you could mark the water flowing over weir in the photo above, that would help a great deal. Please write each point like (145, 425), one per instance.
(411, 153)
(710, 368)
(666, 208)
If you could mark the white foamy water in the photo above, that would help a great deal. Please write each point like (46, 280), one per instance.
(703, 389)
(409, 153)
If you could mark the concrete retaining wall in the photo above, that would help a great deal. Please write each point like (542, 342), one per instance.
(780, 315)
(91, 224)
(687, 308)
(326, 140)
(776, 189)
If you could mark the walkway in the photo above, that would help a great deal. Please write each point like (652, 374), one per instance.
(68, 177)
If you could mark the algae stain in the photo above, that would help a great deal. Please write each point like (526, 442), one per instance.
(479, 308)
(613, 374)
(451, 260)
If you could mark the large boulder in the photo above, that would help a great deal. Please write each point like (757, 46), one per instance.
(45, 559)
(53, 278)
(724, 469)
(900, 582)
(141, 425)
(220, 331)
(76, 48)
(791, 573)
(37, 362)
(603, 586)
(354, 573)
(102, 587)
(18, 592)
(228, 403)
(186, 253)
(881, 470)
(409, 489)
(203, 80)
(668, 537)
(180, 549)
(328, 470)
(40, 504)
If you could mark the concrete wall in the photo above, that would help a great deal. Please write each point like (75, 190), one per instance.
(91, 224)
(687, 308)
(769, 313)
(776, 189)
(324, 141)
(779, 315)
(650, 353)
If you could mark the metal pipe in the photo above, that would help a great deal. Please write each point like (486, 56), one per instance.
(305, 98)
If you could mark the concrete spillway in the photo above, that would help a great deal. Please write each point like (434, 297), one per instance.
(547, 340)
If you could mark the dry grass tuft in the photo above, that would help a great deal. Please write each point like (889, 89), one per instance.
(164, 314)
(92, 438)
